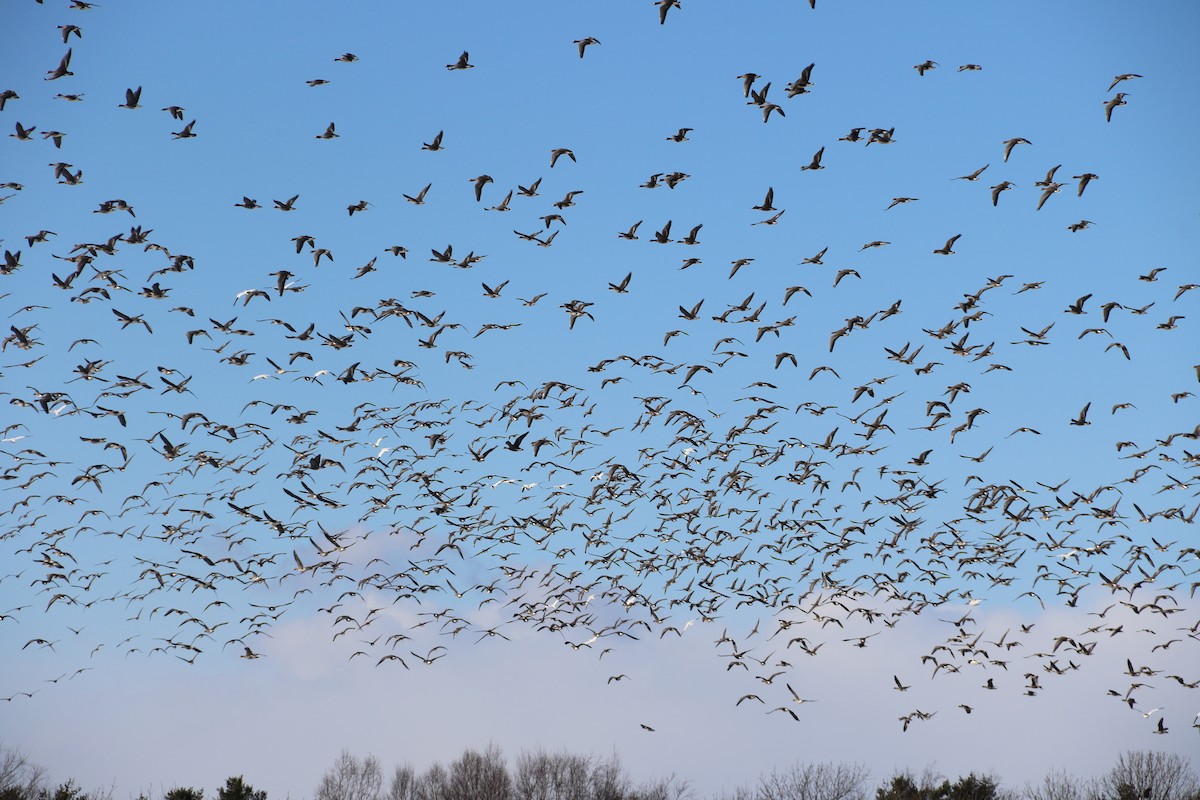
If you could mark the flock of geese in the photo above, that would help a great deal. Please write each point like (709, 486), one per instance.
(191, 462)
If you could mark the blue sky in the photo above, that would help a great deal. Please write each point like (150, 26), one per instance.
(618, 554)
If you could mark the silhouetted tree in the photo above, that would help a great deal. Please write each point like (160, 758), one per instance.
(236, 788)
(826, 781)
(904, 787)
(1057, 785)
(975, 787)
(475, 775)
(480, 776)
(608, 780)
(1148, 775)
(671, 788)
(20, 779)
(404, 785)
(552, 776)
(971, 787)
(434, 783)
(183, 793)
(69, 791)
(352, 778)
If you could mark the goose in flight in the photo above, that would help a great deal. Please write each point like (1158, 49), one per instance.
(584, 43)
(23, 134)
(796, 698)
(1124, 77)
(663, 7)
(974, 176)
(435, 145)
(623, 286)
(419, 197)
(132, 98)
(1002, 186)
(816, 161)
(462, 63)
(769, 221)
(1077, 306)
(480, 182)
(1109, 105)
(631, 234)
(63, 68)
(691, 238)
(946, 249)
(1051, 188)
(817, 258)
(1009, 144)
(801, 85)
(558, 152)
(1084, 180)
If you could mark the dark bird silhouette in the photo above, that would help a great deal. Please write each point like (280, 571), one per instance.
(974, 176)
(816, 161)
(1082, 419)
(462, 63)
(946, 249)
(133, 98)
(63, 68)
(663, 7)
(1117, 100)
(584, 43)
(1009, 144)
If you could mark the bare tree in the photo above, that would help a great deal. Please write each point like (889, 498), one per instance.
(1057, 785)
(552, 776)
(480, 776)
(352, 778)
(827, 781)
(20, 779)
(434, 784)
(1147, 775)
(671, 788)
(404, 785)
(608, 780)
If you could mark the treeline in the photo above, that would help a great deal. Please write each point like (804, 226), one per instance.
(487, 775)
